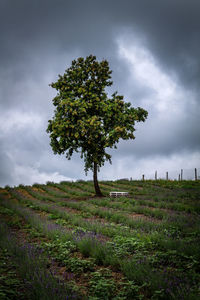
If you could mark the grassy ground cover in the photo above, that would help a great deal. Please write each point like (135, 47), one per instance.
(145, 246)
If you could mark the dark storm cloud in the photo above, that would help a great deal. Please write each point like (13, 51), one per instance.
(32, 29)
(171, 29)
(40, 38)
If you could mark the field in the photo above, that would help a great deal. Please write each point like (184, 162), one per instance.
(58, 241)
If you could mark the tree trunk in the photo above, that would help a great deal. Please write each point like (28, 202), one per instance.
(96, 185)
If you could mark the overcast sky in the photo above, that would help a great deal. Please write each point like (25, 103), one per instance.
(153, 50)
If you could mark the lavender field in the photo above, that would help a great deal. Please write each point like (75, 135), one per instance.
(58, 241)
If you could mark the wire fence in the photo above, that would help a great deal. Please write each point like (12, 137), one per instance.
(182, 174)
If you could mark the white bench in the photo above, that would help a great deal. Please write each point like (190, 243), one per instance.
(119, 194)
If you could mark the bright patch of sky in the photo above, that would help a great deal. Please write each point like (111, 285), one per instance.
(36, 176)
(167, 94)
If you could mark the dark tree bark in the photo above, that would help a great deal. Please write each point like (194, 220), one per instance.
(96, 185)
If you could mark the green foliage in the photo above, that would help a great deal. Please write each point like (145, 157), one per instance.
(78, 266)
(102, 286)
(31, 265)
(85, 119)
(60, 250)
(10, 283)
(6, 211)
(124, 246)
(129, 290)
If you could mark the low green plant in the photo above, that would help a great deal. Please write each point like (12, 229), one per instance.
(59, 250)
(124, 246)
(102, 286)
(129, 290)
(6, 211)
(11, 285)
(32, 266)
(78, 266)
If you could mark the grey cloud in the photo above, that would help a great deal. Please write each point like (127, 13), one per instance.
(40, 38)
(160, 138)
(6, 170)
(170, 29)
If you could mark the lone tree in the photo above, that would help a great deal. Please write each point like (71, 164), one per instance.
(86, 120)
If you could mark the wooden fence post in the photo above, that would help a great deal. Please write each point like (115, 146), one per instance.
(195, 173)
(156, 175)
(166, 175)
(179, 177)
(181, 174)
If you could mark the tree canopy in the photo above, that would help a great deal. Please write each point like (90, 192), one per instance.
(86, 120)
